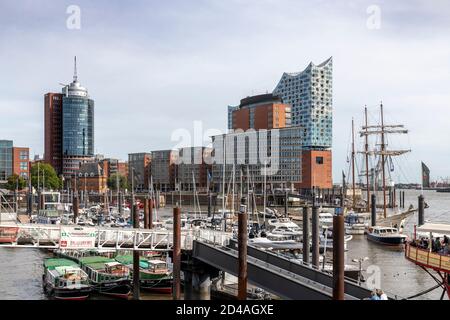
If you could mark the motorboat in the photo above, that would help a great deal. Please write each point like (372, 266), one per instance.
(356, 223)
(325, 218)
(386, 235)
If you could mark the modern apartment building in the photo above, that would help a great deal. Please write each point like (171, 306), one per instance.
(139, 166)
(310, 94)
(193, 165)
(13, 160)
(163, 169)
(276, 157)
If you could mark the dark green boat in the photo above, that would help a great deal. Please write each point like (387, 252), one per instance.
(107, 276)
(63, 279)
(154, 275)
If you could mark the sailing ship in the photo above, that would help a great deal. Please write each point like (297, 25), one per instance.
(154, 274)
(107, 276)
(382, 157)
(63, 279)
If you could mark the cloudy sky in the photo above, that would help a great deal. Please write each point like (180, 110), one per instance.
(153, 67)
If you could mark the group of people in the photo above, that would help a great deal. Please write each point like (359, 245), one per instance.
(378, 294)
(437, 245)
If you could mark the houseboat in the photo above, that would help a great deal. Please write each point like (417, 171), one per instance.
(107, 276)
(154, 274)
(63, 279)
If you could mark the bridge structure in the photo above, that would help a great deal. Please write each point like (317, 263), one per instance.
(215, 249)
(50, 236)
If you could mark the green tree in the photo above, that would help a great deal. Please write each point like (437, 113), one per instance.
(15, 181)
(112, 182)
(47, 177)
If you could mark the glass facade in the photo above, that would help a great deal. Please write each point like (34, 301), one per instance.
(310, 94)
(78, 126)
(6, 165)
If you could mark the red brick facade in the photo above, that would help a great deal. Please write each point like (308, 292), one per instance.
(316, 169)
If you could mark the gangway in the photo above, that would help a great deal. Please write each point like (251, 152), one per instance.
(48, 236)
(281, 282)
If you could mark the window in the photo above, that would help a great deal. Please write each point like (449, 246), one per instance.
(24, 166)
(319, 160)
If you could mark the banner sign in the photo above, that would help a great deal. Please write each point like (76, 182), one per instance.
(77, 238)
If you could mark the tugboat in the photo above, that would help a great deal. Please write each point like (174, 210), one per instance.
(63, 279)
(154, 275)
(107, 276)
(386, 235)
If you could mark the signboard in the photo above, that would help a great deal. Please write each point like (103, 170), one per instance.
(77, 238)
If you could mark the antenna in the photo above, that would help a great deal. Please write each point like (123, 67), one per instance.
(75, 76)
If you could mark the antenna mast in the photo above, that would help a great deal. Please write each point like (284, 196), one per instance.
(75, 76)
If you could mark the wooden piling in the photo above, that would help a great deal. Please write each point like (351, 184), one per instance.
(242, 260)
(306, 247)
(136, 275)
(176, 292)
(338, 257)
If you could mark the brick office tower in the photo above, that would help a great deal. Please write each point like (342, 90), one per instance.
(265, 111)
(69, 128)
(53, 130)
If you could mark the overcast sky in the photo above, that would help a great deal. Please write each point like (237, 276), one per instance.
(153, 67)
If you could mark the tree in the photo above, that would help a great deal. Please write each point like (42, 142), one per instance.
(112, 182)
(15, 181)
(47, 177)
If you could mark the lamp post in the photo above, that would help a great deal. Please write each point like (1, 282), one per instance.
(360, 261)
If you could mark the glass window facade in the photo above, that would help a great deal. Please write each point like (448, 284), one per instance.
(78, 126)
(6, 165)
(310, 93)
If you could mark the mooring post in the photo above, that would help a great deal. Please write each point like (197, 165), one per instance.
(306, 235)
(209, 203)
(403, 199)
(120, 204)
(75, 206)
(150, 213)
(136, 274)
(146, 213)
(176, 253)
(421, 210)
(374, 209)
(286, 203)
(242, 250)
(338, 255)
(315, 236)
(394, 196)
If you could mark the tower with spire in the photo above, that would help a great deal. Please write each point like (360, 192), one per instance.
(69, 127)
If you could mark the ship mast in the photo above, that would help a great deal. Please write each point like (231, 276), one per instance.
(353, 164)
(383, 149)
(382, 130)
(366, 149)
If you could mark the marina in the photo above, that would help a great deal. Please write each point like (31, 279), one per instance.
(399, 277)
(254, 152)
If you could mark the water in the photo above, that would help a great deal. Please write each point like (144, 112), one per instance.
(21, 269)
(399, 276)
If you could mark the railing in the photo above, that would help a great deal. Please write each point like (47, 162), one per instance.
(429, 259)
(48, 236)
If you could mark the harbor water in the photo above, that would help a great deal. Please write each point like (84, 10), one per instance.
(21, 269)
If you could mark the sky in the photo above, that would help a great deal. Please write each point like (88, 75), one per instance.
(156, 67)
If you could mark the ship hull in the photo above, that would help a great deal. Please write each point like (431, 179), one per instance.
(390, 241)
(118, 289)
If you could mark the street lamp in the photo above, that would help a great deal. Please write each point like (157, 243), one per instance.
(360, 261)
